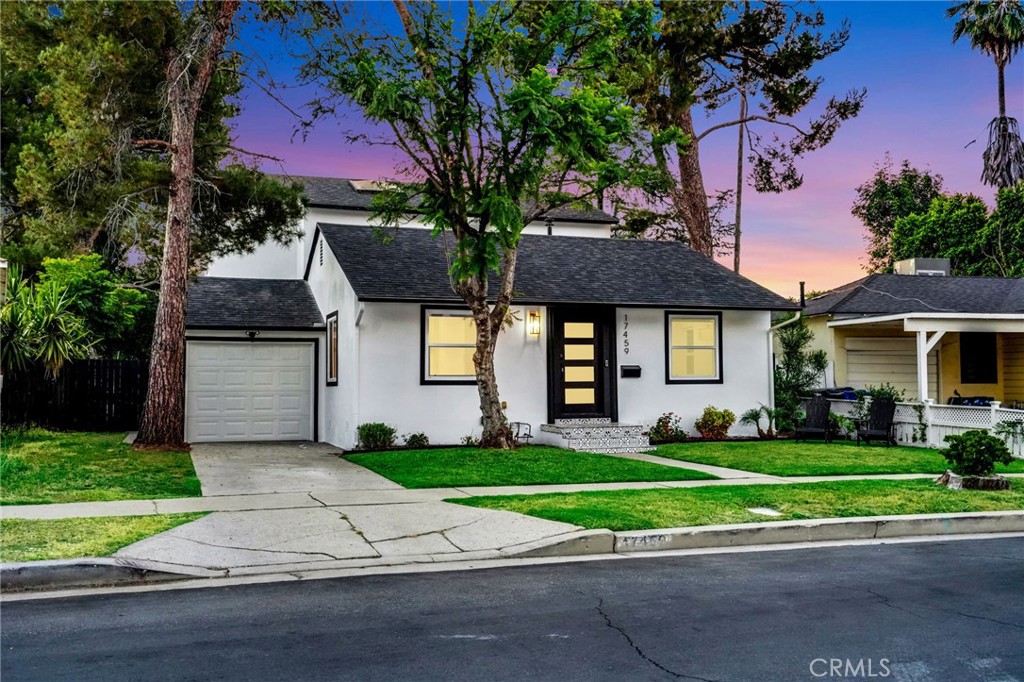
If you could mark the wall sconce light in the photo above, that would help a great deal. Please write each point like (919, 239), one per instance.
(252, 335)
(533, 323)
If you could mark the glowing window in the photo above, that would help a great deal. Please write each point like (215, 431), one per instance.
(450, 340)
(694, 349)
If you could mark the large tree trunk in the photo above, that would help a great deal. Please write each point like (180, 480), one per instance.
(689, 197)
(496, 433)
(1002, 90)
(188, 77)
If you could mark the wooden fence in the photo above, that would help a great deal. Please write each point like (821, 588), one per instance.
(88, 395)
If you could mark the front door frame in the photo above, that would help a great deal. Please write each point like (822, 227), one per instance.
(604, 321)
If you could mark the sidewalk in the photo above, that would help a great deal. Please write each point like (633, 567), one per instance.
(383, 525)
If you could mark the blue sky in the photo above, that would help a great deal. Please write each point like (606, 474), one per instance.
(927, 99)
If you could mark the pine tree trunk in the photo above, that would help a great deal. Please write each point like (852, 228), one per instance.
(163, 416)
(690, 198)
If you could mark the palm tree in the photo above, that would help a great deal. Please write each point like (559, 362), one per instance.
(997, 29)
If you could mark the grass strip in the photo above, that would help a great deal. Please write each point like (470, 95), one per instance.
(530, 465)
(712, 505)
(41, 467)
(38, 539)
(789, 458)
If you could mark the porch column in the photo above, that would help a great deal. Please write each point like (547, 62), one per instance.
(924, 346)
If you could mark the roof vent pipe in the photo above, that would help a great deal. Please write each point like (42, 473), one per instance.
(803, 299)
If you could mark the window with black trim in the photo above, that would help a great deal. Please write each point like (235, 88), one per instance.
(693, 348)
(332, 349)
(978, 363)
(449, 341)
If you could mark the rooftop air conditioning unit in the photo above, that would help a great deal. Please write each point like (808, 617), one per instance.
(928, 267)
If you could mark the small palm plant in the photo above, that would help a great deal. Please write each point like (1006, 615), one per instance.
(752, 417)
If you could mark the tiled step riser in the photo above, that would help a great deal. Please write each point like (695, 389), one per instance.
(619, 444)
(597, 435)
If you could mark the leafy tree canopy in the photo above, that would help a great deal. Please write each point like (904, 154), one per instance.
(705, 54)
(117, 320)
(960, 228)
(501, 114)
(85, 162)
(888, 196)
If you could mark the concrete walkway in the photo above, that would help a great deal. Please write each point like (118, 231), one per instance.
(298, 506)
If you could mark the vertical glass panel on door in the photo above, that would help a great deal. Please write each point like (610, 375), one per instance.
(579, 374)
(579, 396)
(579, 330)
(574, 351)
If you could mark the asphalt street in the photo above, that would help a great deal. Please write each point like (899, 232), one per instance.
(911, 612)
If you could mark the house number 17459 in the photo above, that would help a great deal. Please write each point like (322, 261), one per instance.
(625, 334)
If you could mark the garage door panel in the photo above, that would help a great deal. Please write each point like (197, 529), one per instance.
(240, 391)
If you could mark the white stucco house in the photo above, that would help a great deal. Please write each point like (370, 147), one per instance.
(339, 328)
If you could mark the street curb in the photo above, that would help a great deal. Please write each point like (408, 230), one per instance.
(818, 530)
(92, 572)
(576, 543)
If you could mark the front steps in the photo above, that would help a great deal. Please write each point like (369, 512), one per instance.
(594, 435)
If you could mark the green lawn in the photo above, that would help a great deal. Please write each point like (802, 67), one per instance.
(38, 539)
(38, 467)
(530, 465)
(789, 458)
(676, 507)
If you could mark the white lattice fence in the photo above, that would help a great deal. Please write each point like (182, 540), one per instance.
(940, 421)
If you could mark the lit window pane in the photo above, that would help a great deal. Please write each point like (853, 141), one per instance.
(693, 332)
(579, 373)
(579, 396)
(456, 329)
(579, 330)
(451, 362)
(694, 363)
(579, 352)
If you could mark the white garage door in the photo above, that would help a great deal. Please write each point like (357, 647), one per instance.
(248, 391)
(873, 361)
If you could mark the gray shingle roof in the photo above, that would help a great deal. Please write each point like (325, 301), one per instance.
(896, 294)
(339, 193)
(412, 267)
(238, 303)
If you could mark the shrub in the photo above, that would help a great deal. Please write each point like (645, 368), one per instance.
(714, 423)
(976, 453)
(667, 429)
(838, 425)
(470, 441)
(417, 440)
(376, 435)
(752, 417)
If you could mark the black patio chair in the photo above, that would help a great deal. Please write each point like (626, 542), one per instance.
(521, 432)
(879, 423)
(816, 424)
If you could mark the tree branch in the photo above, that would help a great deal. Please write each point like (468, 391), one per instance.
(747, 119)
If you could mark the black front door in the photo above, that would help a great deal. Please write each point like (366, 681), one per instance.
(581, 363)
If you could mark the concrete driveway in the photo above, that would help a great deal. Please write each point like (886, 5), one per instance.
(304, 505)
(255, 468)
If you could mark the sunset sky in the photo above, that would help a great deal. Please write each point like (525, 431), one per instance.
(927, 98)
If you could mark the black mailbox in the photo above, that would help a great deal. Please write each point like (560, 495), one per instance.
(631, 371)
